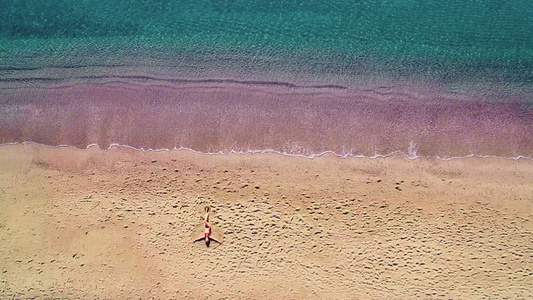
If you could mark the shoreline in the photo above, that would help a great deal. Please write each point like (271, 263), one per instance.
(364, 122)
(117, 223)
(395, 154)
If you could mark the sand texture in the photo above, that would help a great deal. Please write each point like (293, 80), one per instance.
(117, 224)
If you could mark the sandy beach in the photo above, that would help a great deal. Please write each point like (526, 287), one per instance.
(117, 224)
(345, 149)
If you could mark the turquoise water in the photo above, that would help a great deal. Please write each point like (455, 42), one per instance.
(439, 40)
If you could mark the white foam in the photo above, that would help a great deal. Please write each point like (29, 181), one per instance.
(411, 154)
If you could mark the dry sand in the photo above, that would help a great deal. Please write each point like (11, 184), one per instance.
(117, 224)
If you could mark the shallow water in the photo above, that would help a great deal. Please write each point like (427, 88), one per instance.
(446, 79)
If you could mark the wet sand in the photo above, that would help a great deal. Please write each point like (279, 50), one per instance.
(117, 224)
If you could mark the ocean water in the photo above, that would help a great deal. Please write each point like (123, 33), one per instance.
(370, 78)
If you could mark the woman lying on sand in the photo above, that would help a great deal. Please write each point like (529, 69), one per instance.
(207, 229)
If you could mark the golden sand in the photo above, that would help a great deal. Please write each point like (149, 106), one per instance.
(117, 224)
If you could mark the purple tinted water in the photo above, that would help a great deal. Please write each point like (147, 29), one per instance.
(224, 117)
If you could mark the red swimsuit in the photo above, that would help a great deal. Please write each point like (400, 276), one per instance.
(206, 234)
